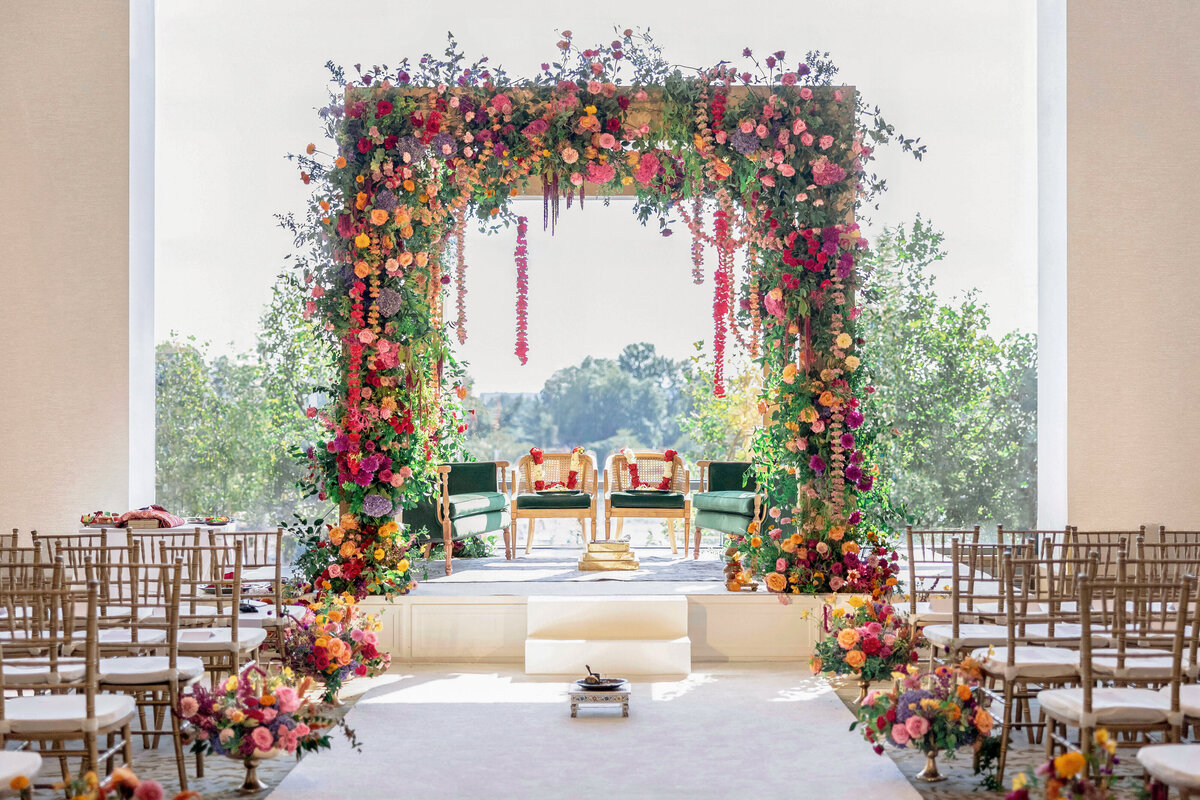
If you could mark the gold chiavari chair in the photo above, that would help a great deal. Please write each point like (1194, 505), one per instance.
(262, 576)
(150, 541)
(1120, 698)
(1175, 544)
(929, 571)
(155, 681)
(80, 542)
(74, 709)
(977, 599)
(1032, 657)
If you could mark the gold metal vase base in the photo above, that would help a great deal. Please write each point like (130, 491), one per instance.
(930, 774)
(863, 688)
(251, 785)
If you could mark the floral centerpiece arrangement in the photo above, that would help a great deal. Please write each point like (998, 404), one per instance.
(122, 784)
(870, 642)
(333, 642)
(352, 557)
(936, 712)
(1066, 777)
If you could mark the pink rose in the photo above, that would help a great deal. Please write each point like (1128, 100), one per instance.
(806, 139)
(286, 699)
(747, 126)
(260, 737)
(806, 93)
(825, 142)
(594, 87)
(608, 141)
(799, 127)
(269, 714)
(900, 735)
(787, 170)
(789, 79)
(781, 565)
(775, 534)
(148, 790)
(875, 628)
(576, 179)
(302, 730)
(406, 472)
(836, 583)
(917, 726)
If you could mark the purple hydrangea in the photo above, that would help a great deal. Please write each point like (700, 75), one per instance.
(912, 697)
(744, 143)
(443, 145)
(385, 200)
(389, 302)
(376, 505)
(411, 147)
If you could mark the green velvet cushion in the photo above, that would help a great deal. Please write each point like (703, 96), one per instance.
(475, 524)
(729, 502)
(472, 478)
(728, 476)
(719, 521)
(462, 505)
(648, 500)
(582, 500)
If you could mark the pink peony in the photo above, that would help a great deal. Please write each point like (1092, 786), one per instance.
(826, 172)
(370, 638)
(287, 699)
(875, 628)
(608, 141)
(900, 734)
(302, 730)
(917, 726)
(188, 707)
(600, 173)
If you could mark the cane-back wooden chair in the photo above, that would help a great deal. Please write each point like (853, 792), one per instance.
(623, 500)
(530, 503)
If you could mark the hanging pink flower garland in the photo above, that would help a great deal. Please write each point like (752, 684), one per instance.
(521, 255)
(722, 287)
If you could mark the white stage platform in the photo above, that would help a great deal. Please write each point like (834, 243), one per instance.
(479, 613)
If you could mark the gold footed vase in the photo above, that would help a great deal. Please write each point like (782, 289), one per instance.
(863, 688)
(930, 774)
(251, 784)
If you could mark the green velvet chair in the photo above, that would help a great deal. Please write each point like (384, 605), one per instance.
(473, 500)
(728, 499)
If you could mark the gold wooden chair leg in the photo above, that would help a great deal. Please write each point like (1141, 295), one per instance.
(696, 552)
(671, 535)
(607, 526)
(529, 537)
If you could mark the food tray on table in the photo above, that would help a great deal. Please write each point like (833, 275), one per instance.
(605, 684)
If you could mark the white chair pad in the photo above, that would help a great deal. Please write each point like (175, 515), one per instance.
(1189, 698)
(149, 669)
(1175, 765)
(1110, 706)
(18, 764)
(1065, 631)
(65, 713)
(927, 614)
(36, 674)
(1141, 662)
(189, 611)
(125, 636)
(205, 640)
(972, 635)
(1029, 662)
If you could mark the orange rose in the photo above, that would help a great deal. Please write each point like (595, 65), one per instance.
(847, 638)
(379, 216)
(787, 546)
(837, 532)
(776, 581)
(953, 712)
(964, 692)
(816, 664)
(983, 721)
(340, 162)
(855, 658)
(849, 547)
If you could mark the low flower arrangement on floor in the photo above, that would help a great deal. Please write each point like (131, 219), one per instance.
(333, 642)
(937, 712)
(255, 715)
(1066, 777)
(122, 784)
(870, 642)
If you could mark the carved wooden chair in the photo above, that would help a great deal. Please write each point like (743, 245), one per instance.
(472, 500)
(620, 503)
(527, 504)
(728, 500)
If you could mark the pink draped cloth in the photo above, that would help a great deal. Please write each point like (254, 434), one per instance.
(165, 518)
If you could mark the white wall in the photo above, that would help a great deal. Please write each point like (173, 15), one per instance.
(1133, 357)
(64, 255)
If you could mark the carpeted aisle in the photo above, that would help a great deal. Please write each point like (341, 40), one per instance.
(491, 732)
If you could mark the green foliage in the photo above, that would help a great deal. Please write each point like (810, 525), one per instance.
(720, 428)
(954, 416)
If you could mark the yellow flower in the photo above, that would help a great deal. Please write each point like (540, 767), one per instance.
(231, 684)
(1069, 764)
(389, 528)
(402, 566)
(379, 554)
(335, 615)
(590, 110)
(843, 340)
(852, 363)
(237, 717)
(856, 602)
(1020, 780)
(362, 240)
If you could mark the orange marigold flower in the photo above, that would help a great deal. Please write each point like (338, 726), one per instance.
(341, 162)
(312, 148)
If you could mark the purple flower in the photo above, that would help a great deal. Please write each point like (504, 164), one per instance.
(847, 440)
(744, 143)
(389, 302)
(816, 464)
(376, 505)
(856, 457)
(853, 473)
(912, 697)
(845, 264)
(385, 200)
(855, 518)
(340, 443)
(865, 483)
(410, 146)
(854, 418)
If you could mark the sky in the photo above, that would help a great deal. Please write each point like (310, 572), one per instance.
(237, 86)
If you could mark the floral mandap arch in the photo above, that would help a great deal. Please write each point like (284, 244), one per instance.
(776, 153)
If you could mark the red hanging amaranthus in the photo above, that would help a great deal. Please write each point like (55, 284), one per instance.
(460, 269)
(520, 255)
(722, 289)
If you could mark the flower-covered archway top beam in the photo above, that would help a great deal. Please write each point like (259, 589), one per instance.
(782, 151)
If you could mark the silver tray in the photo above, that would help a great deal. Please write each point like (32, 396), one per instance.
(605, 685)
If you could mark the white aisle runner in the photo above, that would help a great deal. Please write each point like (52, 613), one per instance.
(491, 733)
